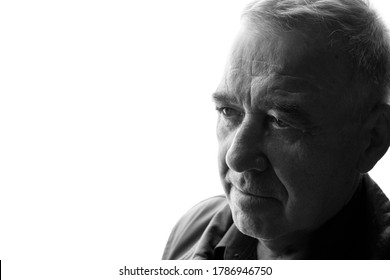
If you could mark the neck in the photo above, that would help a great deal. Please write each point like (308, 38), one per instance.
(293, 247)
(296, 245)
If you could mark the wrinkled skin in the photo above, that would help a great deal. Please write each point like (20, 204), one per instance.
(288, 146)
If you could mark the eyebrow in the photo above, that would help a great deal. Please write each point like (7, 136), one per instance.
(222, 97)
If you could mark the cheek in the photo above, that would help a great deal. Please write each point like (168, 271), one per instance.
(287, 153)
(225, 137)
(303, 159)
(289, 162)
(299, 166)
(312, 174)
(223, 169)
(223, 147)
(222, 166)
(224, 129)
(299, 171)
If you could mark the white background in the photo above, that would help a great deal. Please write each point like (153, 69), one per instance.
(107, 126)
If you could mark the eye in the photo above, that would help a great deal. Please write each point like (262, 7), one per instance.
(229, 112)
(279, 124)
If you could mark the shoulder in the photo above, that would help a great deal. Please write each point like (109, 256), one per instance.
(379, 210)
(191, 225)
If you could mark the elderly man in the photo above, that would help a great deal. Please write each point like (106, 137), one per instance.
(302, 117)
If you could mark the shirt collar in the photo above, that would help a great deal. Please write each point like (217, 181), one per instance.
(235, 245)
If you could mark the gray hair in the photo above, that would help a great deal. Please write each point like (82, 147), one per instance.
(352, 23)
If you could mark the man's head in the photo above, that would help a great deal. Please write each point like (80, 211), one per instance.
(302, 112)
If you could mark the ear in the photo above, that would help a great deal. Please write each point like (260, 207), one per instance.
(375, 137)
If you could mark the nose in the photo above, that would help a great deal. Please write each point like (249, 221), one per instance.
(246, 149)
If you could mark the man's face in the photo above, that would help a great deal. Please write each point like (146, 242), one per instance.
(287, 144)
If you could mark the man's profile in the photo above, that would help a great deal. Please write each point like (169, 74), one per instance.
(302, 117)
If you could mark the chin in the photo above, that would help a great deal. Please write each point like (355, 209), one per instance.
(257, 217)
(257, 227)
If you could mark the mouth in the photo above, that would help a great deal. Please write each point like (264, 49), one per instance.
(247, 202)
(251, 194)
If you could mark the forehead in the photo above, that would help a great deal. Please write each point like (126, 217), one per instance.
(288, 59)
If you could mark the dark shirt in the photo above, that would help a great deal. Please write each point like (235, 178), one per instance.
(361, 230)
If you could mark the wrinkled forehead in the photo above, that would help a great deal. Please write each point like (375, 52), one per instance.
(261, 52)
(263, 63)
